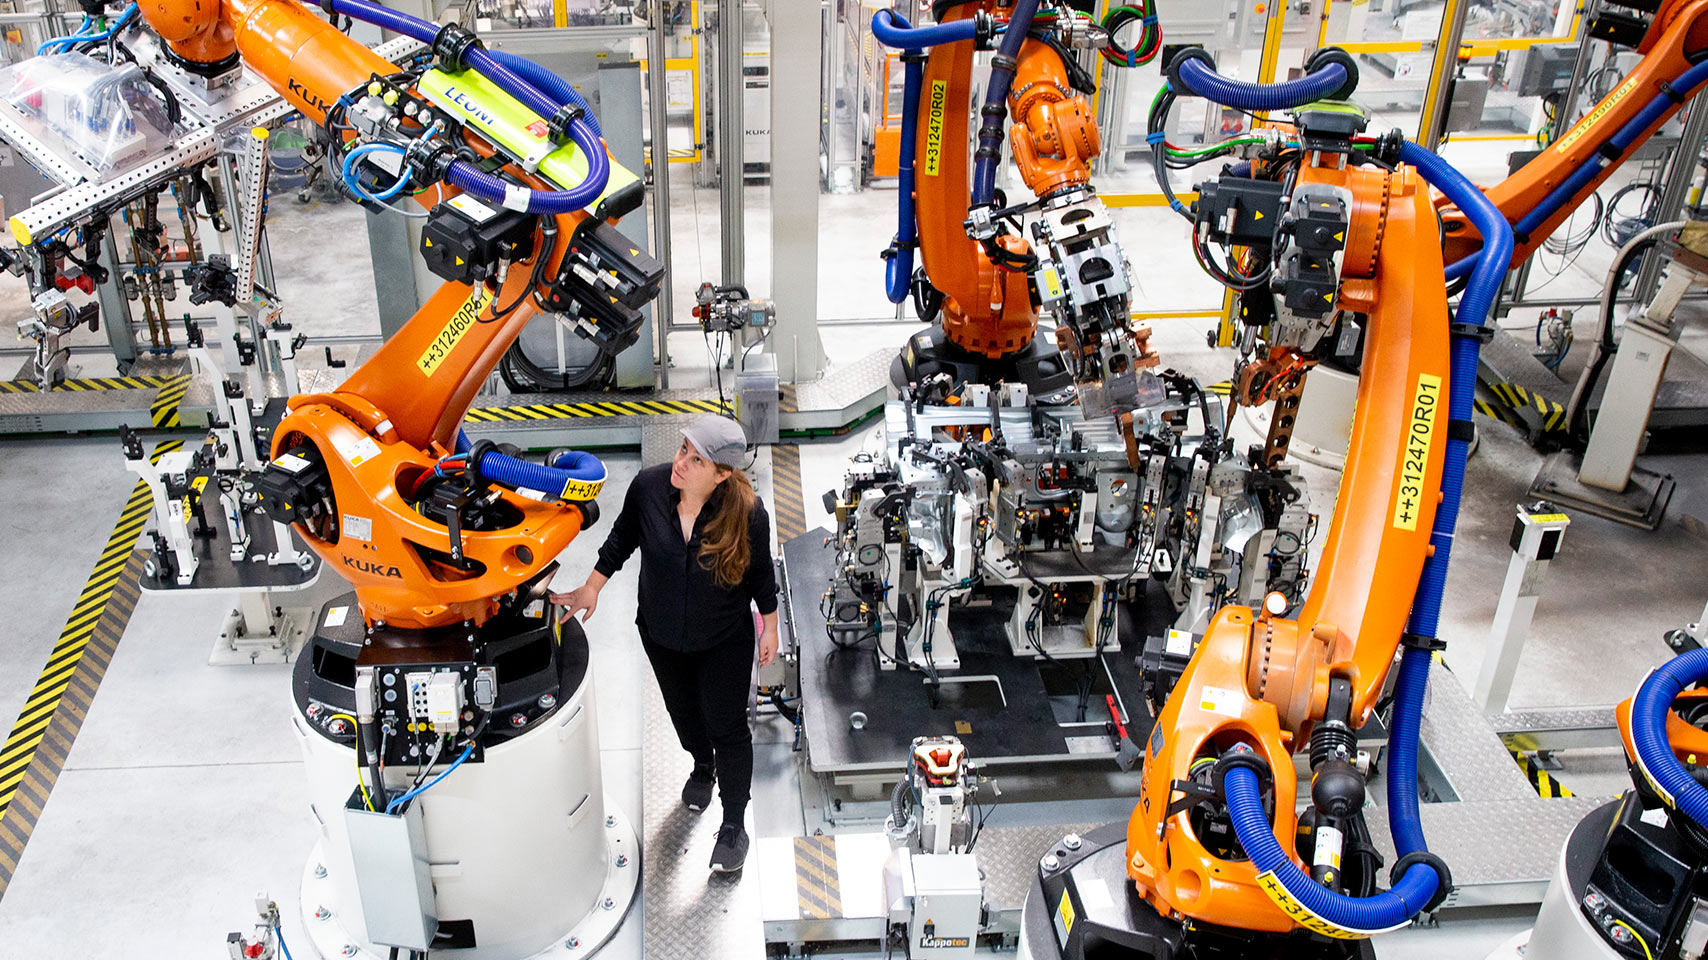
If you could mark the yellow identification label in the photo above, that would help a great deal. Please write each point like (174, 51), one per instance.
(459, 324)
(1590, 119)
(1549, 518)
(1066, 913)
(1663, 793)
(934, 110)
(1302, 916)
(1414, 461)
(581, 489)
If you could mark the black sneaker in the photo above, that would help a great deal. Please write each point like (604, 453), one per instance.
(697, 793)
(730, 852)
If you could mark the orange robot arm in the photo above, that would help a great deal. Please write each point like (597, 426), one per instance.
(1540, 195)
(361, 469)
(986, 309)
(989, 308)
(1259, 679)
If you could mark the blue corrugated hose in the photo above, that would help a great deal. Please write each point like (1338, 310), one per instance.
(1202, 80)
(996, 98)
(570, 466)
(1649, 711)
(893, 29)
(1418, 885)
(466, 176)
(1685, 86)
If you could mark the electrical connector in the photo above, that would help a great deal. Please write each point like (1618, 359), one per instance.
(444, 702)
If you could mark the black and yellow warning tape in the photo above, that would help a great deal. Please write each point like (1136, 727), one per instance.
(818, 885)
(1497, 412)
(1552, 415)
(786, 495)
(86, 384)
(1221, 388)
(163, 412)
(608, 408)
(41, 737)
(1545, 785)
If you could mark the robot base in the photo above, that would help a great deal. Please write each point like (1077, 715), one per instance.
(583, 939)
(1563, 931)
(1039, 365)
(524, 853)
(1104, 916)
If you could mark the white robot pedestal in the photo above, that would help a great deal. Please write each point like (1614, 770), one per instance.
(526, 845)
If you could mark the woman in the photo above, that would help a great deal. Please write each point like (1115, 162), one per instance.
(704, 538)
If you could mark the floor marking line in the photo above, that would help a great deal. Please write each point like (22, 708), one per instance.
(61, 654)
(57, 706)
(788, 503)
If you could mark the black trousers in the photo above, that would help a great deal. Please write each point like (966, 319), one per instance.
(705, 692)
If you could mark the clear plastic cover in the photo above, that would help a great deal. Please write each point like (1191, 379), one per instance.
(106, 114)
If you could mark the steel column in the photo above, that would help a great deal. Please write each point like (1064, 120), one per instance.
(798, 28)
(730, 166)
(1433, 119)
(660, 125)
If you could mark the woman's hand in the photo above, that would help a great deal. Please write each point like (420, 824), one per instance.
(768, 642)
(582, 598)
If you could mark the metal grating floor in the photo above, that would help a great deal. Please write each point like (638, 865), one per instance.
(690, 912)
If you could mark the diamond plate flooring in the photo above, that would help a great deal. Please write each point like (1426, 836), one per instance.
(690, 912)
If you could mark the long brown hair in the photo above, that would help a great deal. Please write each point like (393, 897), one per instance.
(724, 549)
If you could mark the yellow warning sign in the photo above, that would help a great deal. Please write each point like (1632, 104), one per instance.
(455, 328)
(1066, 913)
(1414, 459)
(934, 126)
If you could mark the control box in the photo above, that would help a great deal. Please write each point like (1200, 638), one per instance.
(420, 708)
(947, 900)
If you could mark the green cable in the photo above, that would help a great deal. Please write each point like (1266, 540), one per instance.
(1242, 141)
(1215, 147)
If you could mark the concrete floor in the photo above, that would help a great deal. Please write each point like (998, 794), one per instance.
(182, 798)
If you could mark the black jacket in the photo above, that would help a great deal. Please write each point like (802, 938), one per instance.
(682, 605)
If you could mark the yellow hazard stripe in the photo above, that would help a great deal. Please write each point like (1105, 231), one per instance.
(51, 686)
(818, 886)
(164, 411)
(786, 493)
(1518, 399)
(638, 407)
(85, 384)
(1546, 786)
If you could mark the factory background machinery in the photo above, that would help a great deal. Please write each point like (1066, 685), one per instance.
(1099, 531)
